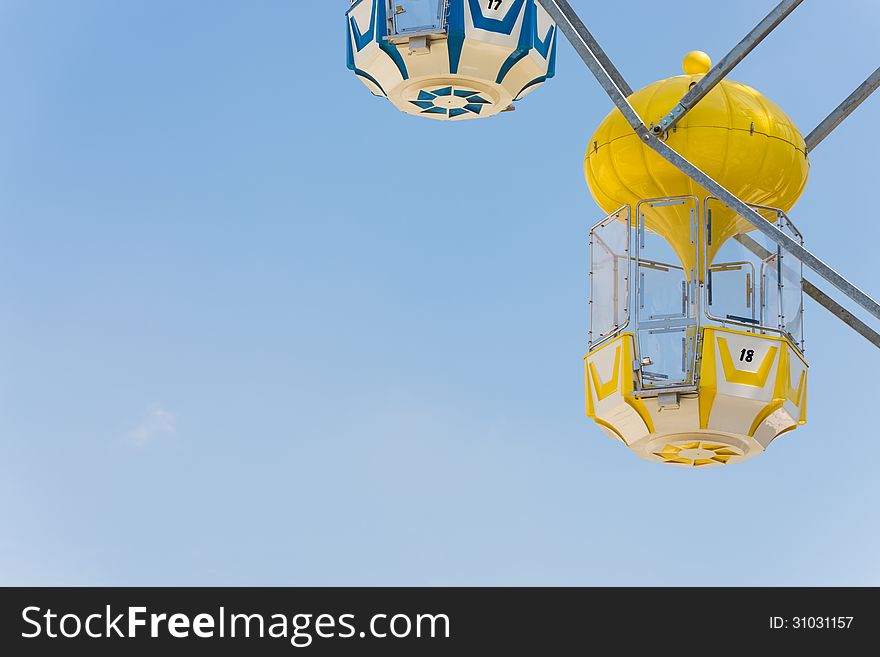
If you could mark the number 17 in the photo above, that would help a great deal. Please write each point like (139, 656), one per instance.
(495, 4)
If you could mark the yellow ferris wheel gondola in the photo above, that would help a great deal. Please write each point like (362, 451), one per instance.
(697, 344)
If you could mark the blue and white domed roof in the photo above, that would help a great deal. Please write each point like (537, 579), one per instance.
(451, 59)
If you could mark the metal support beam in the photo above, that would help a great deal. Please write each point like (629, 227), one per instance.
(771, 231)
(843, 110)
(841, 313)
(585, 45)
(577, 33)
(819, 296)
(725, 66)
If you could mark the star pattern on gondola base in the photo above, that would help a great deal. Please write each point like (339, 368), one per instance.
(697, 453)
(450, 102)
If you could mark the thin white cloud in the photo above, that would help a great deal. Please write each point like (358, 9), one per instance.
(159, 422)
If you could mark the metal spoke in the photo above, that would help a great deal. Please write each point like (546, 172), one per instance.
(771, 231)
(579, 36)
(818, 296)
(842, 313)
(577, 33)
(843, 110)
(725, 66)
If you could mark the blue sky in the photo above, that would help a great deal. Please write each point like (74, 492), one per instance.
(260, 328)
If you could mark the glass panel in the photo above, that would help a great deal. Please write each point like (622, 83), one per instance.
(609, 276)
(663, 291)
(731, 291)
(418, 15)
(665, 300)
(784, 304)
(792, 320)
(745, 271)
(770, 299)
(666, 356)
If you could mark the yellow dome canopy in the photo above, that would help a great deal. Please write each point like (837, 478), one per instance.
(735, 135)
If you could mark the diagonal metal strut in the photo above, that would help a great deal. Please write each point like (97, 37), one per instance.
(589, 49)
(843, 110)
(841, 313)
(771, 231)
(571, 26)
(819, 296)
(725, 66)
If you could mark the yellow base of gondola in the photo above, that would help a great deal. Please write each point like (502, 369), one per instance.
(735, 410)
